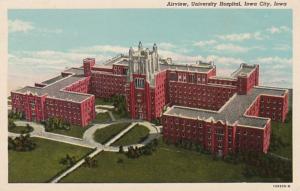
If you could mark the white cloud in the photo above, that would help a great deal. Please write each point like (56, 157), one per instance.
(225, 60)
(184, 59)
(35, 66)
(243, 36)
(274, 60)
(231, 48)
(19, 26)
(236, 37)
(166, 45)
(277, 30)
(28, 67)
(259, 36)
(205, 43)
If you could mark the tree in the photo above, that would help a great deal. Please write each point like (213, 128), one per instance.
(21, 143)
(68, 160)
(121, 150)
(11, 124)
(90, 162)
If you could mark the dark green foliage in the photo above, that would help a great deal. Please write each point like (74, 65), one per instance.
(11, 124)
(29, 128)
(121, 150)
(15, 115)
(119, 102)
(148, 149)
(68, 160)
(56, 123)
(21, 143)
(190, 145)
(90, 162)
(156, 121)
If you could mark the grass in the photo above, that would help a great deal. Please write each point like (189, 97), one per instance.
(75, 131)
(284, 130)
(102, 101)
(167, 164)
(20, 129)
(102, 117)
(136, 135)
(41, 164)
(105, 134)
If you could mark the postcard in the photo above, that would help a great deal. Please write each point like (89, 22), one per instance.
(149, 95)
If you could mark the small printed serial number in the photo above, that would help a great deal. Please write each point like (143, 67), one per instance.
(281, 186)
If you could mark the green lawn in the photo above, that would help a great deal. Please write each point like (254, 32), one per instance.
(41, 164)
(19, 129)
(102, 101)
(136, 135)
(102, 117)
(105, 134)
(167, 164)
(75, 131)
(285, 132)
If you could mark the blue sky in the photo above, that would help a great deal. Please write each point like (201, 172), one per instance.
(44, 42)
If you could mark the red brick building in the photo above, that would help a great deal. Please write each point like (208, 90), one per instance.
(223, 114)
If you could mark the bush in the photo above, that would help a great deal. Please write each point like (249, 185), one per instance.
(56, 123)
(68, 160)
(21, 143)
(156, 121)
(90, 162)
(121, 150)
(15, 115)
(11, 124)
(134, 152)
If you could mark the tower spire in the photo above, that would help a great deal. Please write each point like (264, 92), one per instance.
(140, 46)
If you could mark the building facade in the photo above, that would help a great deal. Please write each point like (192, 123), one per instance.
(223, 114)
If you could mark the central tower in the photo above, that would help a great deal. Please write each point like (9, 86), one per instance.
(143, 65)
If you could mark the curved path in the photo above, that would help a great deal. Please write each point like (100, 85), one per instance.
(88, 139)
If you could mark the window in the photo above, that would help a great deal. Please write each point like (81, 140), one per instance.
(139, 82)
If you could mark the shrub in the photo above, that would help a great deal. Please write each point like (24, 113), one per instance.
(21, 143)
(121, 150)
(68, 160)
(90, 162)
